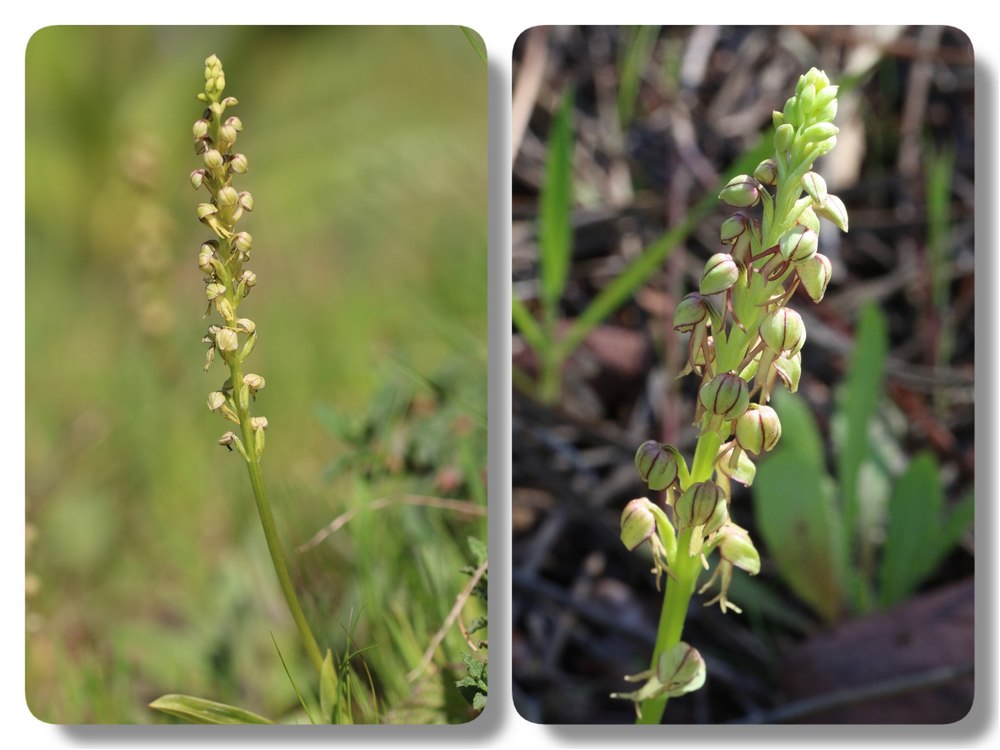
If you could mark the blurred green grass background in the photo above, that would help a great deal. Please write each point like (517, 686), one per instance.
(146, 569)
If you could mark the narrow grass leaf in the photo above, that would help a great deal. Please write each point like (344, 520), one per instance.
(555, 205)
(202, 711)
(302, 701)
(957, 523)
(639, 271)
(327, 687)
(637, 52)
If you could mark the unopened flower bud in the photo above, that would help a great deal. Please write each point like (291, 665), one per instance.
(238, 164)
(808, 219)
(718, 519)
(697, 505)
(815, 274)
(657, 464)
(807, 100)
(205, 261)
(783, 138)
(727, 395)
(742, 191)
(215, 400)
(819, 132)
(246, 201)
(777, 118)
(197, 178)
(235, 123)
(227, 135)
(248, 278)
(245, 325)
(258, 423)
(798, 244)
(783, 330)
(766, 172)
(213, 159)
(815, 187)
(721, 273)
(813, 77)
(228, 197)
(637, 523)
(228, 439)
(833, 209)
(689, 312)
(227, 340)
(733, 227)
(200, 129)
(759, 429)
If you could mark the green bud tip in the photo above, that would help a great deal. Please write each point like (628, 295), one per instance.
(766, 172)
(815, 187)
(228, 197)
(213, 159)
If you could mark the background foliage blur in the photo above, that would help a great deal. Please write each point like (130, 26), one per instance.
(146, 568)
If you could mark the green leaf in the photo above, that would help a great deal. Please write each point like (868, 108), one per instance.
(328, 688)
(638, 50)
(799, 433)
(800, 527)
(202, 711)
(479, 701)
(860, 400)
(555, 204)
(918, 537)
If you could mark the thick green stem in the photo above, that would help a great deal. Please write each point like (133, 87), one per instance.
(680, 587)
(267, 522)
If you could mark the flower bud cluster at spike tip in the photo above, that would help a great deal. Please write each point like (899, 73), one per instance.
(222, 257)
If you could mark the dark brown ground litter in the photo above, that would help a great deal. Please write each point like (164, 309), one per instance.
(585, 610)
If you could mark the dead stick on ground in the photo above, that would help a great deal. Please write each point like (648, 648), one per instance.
(460, 600)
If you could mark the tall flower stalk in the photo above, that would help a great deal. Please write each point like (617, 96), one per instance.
(227, 284)
(744, 341)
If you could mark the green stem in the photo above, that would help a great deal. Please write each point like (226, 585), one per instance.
(267, 522)
(686, 569)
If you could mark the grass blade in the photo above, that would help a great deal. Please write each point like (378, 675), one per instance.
(555, 204)
(202, 711)
(477, 43)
